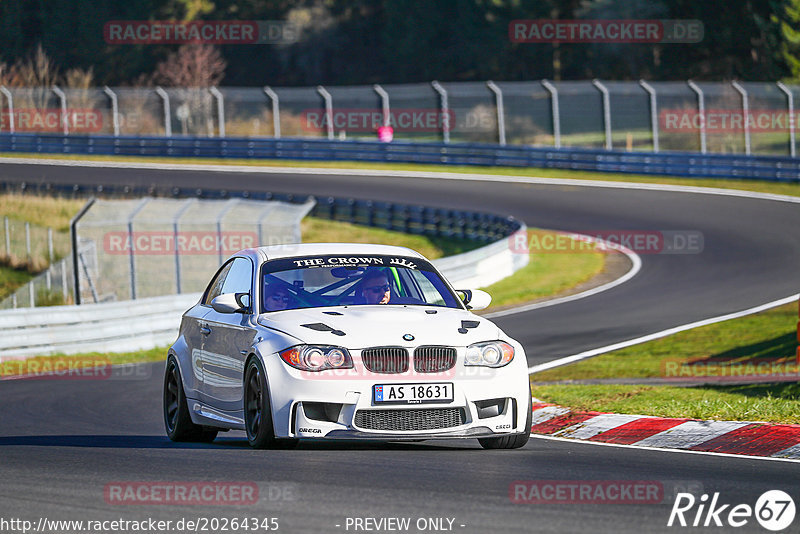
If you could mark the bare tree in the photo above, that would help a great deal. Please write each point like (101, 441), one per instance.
(192, 66)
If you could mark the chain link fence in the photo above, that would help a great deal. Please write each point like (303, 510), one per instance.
(707, 117)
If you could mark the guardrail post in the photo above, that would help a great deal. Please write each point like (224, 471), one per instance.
(63, 98)
(701, 110)
(10, 98)
(790, 106)
(653, 112)
(276, 112)
(73, 233)
(114, 109)
(220, 109)
(132, 249)
(556, 113)
(326, 96)
(445, 108)
(606, 111)
(167, 115)
(175, 221)
(385, 110)
(745, 114)
(501, 115)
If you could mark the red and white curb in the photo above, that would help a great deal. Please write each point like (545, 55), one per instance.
(724, 437)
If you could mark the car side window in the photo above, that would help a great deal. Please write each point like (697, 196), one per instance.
(240, 277)
(215, 287)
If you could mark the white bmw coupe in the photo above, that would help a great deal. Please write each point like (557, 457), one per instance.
(343, 341)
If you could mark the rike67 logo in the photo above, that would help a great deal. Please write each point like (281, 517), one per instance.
(774, 510)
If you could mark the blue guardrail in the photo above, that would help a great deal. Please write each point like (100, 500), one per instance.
(684, 164)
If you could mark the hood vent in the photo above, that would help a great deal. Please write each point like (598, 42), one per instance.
(322, 327)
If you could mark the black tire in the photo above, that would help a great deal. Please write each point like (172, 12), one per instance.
(177, 420)
(258, 411)
(512, 441)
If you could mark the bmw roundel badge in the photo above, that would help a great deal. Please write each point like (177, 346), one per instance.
(408, 337)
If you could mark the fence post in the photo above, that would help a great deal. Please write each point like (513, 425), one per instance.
(64, 289)
(445, 107)
(167, 115)
(701, 109)
(653, 112)
(606, 111)
(220, 109)
(501, 115)
(175, 222)
(556, 113)
(790, 105)
(229, 205)
(114, 109)
(745, 113)
(10, 98)
(8, 237)
(131, 251)
(50, 252)
(32, 294)
(326, 96)
(276, 112)
(385, 110)
(63, 98)
(28, 243)
(73, 234)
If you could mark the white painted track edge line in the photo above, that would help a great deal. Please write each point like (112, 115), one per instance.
(660, 449)
(663, 333)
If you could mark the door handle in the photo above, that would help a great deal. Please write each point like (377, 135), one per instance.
(205, 330)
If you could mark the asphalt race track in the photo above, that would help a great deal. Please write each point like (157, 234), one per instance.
(62, 442)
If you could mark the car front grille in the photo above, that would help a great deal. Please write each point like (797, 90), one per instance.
(408, 420)
(434, 359)
(386, 360)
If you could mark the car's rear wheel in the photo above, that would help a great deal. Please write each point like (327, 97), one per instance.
(513, 441)
(177, 420)
(258, 411)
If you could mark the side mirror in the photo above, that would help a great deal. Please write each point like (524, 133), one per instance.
(475, 299)
(230, 302)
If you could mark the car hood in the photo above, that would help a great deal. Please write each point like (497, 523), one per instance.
(370, 326)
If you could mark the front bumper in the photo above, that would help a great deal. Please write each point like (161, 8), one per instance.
(307, 405)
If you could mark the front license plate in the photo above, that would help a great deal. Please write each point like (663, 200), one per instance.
(412, 393)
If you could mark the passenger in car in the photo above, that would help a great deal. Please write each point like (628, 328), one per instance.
(276, 298)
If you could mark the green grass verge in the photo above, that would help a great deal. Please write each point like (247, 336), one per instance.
(545, 275)
(774, 403)
(11, 279)
(766, 337)
(758, 344)
(747, 185)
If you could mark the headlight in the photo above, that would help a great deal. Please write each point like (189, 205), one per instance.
(317, 357)
(489, 354)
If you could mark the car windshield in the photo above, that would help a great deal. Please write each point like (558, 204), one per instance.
(320, 281)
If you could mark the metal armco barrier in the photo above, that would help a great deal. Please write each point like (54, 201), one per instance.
(683, 164)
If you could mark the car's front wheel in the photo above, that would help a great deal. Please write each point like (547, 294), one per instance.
(513, 441)
(258, 412)
(177, 420)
